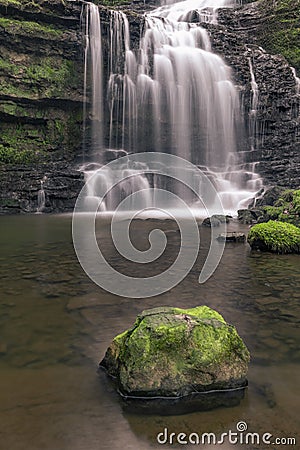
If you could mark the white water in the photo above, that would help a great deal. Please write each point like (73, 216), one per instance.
(297, 80)
(41, 200)
(93, 74)
(173, 96)
(254, 104)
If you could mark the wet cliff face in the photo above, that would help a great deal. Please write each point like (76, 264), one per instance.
(276, 124)
(41, 75)
(40, 102)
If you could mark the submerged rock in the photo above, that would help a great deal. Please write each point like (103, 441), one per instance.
(175, 356)
(232, 237)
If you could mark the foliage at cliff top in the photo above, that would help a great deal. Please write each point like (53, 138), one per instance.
(277, 237)
(281, 30)
(173, 351)
(286, 208)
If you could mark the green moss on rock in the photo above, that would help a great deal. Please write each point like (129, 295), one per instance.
(38, 77)
(16, 3)
(281, 32)
(173, 352)
(277, 237)
(26, 28)
(285, 209)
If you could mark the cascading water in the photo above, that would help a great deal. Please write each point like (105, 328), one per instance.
(174, 95)
(41, 198)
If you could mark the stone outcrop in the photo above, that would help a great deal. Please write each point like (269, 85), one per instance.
(173, 352)
(275, 125)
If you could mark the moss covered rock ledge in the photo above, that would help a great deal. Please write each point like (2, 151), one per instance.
(172, 353)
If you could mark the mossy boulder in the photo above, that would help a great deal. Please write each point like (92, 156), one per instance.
(286, 208)
(173, 352)
(273, 236)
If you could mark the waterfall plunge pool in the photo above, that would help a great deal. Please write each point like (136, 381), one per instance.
(56, 325)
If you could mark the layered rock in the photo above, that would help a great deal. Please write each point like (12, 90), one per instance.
(40, 103)
(272, 130)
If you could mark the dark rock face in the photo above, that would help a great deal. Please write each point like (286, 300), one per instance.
(249, 216)
(276, 124)
(270, 197)
(20, 187)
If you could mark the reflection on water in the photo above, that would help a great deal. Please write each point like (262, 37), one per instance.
(55, 326)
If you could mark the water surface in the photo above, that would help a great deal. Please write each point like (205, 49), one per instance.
(56, 325)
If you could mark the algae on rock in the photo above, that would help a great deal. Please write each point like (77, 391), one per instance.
(176, 352)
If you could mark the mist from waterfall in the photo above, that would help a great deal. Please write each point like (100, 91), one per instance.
(173, 95)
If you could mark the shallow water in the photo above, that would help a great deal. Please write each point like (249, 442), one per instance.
(55, 325)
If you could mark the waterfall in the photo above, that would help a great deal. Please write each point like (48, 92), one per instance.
(254, 105)
(173, 95)
(93, 74)
(297, 80)
(41, 199)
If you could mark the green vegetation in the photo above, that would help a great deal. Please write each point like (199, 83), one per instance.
(25, 143)
(286, 208)
(9, 155)
(38, 77)
(21, 144)
(281, 32)
(171, 350)
(17, 3)
(23, 27)
(277, 237)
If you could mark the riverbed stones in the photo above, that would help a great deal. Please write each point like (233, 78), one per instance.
(174, 354)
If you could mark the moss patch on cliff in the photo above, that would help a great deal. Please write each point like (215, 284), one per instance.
(26, 143)
(36, 77)
(11, 3)
(23, 143)
(281, 31)
(277, 237)
(26, 28)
